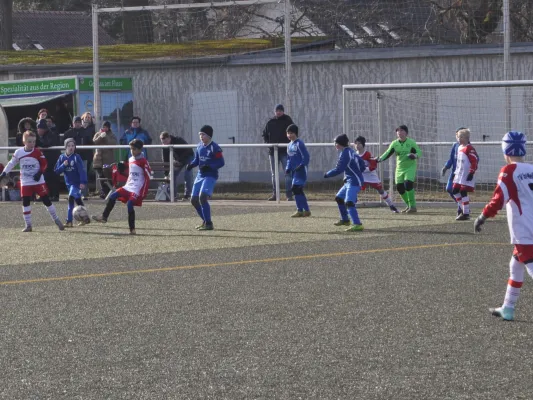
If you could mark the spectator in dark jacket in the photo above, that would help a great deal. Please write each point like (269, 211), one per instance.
(275, 132)
(136, 132)
(82, 138)
(182, 157)
(87, 122)
(51, 125)
(45, 139)
(25, 124)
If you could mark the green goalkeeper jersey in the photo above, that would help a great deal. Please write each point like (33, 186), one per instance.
(402, 151)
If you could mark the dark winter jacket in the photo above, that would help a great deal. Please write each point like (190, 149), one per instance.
(49, 140)
(21, 129)
(182, 156)
(275, 132)
(82, 138)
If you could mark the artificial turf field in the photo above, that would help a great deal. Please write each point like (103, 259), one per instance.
(263, 307)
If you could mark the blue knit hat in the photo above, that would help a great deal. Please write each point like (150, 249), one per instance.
(514, 144)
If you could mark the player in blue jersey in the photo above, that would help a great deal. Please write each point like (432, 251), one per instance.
(353, 166)
(70, 165)
(451, 164)
(297, 162)
(209, 159)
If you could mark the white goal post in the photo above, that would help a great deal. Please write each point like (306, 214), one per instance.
(433, 112)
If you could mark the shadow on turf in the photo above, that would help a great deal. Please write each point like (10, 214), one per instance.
(140, 233)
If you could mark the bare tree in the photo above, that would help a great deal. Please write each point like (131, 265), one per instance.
(474, 19)
(6, 25)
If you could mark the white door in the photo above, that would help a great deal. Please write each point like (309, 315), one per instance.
(219, 109)
(4, 134)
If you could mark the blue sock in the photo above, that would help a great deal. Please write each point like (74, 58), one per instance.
(70, 208)
(206, 212)
(354, 216)
(343, 212)
(299, 199)
(304, 203)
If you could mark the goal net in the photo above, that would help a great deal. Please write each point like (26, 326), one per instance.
(433, 112)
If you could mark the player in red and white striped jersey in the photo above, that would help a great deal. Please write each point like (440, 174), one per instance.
(370, 174)
(32, 166)
(135, 189)
(464, 182)
(515, 192)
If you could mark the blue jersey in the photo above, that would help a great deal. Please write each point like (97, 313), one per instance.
(209, 159)
(297, 156)
(452, 161)
(352, 165)
(74, 172)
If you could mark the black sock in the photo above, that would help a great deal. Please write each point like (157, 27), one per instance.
(108, 208)
(131, 219)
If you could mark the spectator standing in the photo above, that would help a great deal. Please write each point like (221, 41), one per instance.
(87, 122)
(46, 139)
(103, 158)
(42, 114)
(82, 138)
(51, 125)
(135, 131)
(182, 157)
(25, 124)
(275, 132)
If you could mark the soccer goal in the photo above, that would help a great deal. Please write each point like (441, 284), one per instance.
(433, 112)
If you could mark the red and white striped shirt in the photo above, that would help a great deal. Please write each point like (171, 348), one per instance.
(30, 162)
(139, 176)
(515, 192)
(467, 160)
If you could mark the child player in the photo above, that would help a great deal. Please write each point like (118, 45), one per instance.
(297, 162)
(71, 165)
(514, 191)
(369, 174)
(135, 189)
(353, 166)
(451, 164)
(407, 153)
(32, 166)
(209, 159)
(464, 182)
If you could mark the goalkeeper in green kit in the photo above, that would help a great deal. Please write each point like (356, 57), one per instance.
(407, 154)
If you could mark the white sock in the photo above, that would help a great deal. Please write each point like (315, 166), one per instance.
(26, 212)
(457, 197)
(387, 199)
(466, 205)
(516, 278)
(52, 212)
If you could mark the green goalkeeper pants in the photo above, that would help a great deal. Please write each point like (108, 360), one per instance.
(401, 177)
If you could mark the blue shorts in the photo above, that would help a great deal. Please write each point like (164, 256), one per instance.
(299, 178)
(204, 185)
(349, 193)
(74, 191)
(449, 185)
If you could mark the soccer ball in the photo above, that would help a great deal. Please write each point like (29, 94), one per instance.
(80, 213)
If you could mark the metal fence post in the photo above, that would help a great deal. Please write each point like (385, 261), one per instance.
(171, 173)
